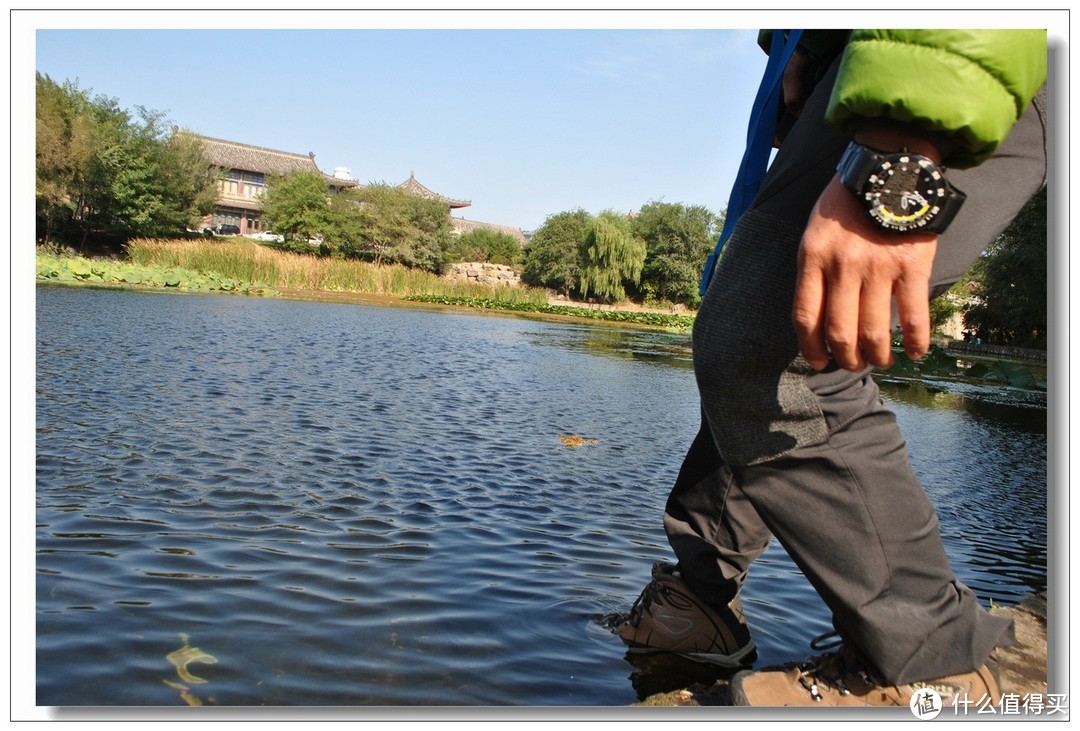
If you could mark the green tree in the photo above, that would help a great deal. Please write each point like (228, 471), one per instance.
(552, 254)
(946, 305)
(65, 143)
(678, 239)
(297, 205)
(163, 184)
(432, 234)
(103, 174)
(484, 244)
(186, 180)
(611, 257)
(1010, 277)
(383, 222)
(343, 234)
(394, 227)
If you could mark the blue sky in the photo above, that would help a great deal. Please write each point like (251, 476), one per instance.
(525, 114)
(523, 123)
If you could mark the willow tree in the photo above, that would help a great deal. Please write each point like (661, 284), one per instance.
(610, 257)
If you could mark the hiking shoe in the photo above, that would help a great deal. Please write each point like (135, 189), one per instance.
(668, 617)
(840, 679)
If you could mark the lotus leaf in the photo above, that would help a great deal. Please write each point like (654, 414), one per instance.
(79, 268)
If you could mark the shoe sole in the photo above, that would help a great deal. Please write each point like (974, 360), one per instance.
(734, 660)
(738, 698)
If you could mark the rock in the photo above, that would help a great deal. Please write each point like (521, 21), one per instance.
(1021, 668)
(484, 273)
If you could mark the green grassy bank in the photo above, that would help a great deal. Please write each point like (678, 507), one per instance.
(242, 266)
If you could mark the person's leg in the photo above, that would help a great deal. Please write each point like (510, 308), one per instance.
(817, 455)
(712, 528)
(714, 531)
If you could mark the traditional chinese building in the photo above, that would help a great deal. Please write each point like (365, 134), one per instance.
(461, 225)
(247, 168)
(413, 187)
(464, 226)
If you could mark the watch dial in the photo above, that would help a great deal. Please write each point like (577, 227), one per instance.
(905, 192)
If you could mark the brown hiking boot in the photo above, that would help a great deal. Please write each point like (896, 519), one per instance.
(668, 617)
(839, 679)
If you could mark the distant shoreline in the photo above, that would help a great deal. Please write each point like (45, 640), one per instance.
(213, 267)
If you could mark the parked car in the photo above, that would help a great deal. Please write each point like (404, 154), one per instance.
(228, 230)
(268, 236)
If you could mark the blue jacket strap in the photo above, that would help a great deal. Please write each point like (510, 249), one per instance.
(759, 142)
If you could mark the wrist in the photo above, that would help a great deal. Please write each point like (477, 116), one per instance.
(894, 138)
(903, 191)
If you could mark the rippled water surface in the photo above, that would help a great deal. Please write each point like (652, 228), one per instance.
(245, 501)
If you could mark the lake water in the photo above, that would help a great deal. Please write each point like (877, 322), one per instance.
(250, 501)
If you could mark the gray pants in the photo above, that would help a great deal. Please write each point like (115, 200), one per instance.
(815, 459)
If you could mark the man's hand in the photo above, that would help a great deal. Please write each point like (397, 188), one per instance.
(849, 272)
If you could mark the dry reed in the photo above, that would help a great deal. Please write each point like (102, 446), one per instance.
(263, 266)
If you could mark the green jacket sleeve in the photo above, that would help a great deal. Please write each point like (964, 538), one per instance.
(969, 85)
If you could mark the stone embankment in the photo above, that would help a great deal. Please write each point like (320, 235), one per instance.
(483, 273)
(996, 351)
(1022, 668)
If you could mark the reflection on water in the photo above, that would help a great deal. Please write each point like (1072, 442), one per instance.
(321, 504)
(1025, 409)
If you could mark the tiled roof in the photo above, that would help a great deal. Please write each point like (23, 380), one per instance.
(238, 156)
(413, 187)
(464, 226)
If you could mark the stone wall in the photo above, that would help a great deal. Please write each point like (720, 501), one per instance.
(490, 275)
(997, 351)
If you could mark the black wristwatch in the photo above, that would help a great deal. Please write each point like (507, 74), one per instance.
(902, 191)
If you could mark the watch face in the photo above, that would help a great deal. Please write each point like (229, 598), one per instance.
(905, 192)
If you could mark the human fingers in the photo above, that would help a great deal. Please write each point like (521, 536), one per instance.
(875, 321)
(808, 313)
(843, 308)
(913, 308)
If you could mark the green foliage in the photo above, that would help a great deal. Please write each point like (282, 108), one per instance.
(611, 256)
(384, 224)
(432, 234)
(946, 305)
(102, 272)
(484, 244)
(343, 235)
(249, 261)
(678, 240)
(297, 205)
(939, 363)
(1011, 279)
(551, 256)
(104, 175)
(657, 319)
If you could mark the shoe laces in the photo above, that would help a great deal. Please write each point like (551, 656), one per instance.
(833, 669)
(650, 594)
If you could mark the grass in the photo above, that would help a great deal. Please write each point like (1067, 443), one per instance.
(283, 270)
(242, 265)
(658, 319)
(66, 269)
